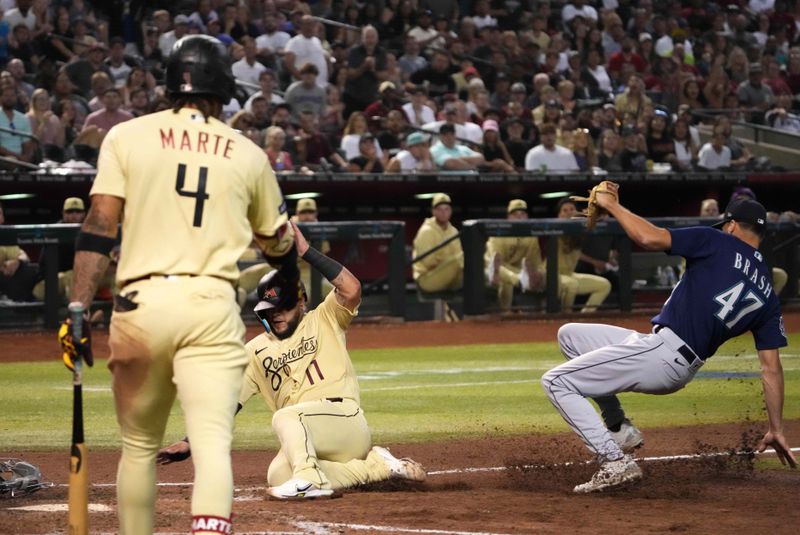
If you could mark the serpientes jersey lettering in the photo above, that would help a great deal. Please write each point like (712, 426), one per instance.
(187, 183)
(310, 365)
(725, 291)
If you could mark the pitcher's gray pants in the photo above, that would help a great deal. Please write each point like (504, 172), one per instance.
(603, 361)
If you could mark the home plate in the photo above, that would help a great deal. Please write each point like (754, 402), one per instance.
(60, 508)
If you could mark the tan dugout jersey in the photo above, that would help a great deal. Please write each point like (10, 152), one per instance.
(310, 365)
(187, 185)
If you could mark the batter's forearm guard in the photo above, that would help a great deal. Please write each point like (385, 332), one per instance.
(329, 267)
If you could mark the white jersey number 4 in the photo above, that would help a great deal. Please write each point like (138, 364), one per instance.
(730, 300)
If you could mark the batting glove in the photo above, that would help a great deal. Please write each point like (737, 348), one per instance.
(73, 350)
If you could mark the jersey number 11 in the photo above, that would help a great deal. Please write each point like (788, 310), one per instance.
(200, 196)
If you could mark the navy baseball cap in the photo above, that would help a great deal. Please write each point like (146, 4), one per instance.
(744, 211)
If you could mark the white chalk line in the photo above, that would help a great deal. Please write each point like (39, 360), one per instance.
(483, 469)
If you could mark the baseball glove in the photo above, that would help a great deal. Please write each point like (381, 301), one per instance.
(592, 212)
(18, 478)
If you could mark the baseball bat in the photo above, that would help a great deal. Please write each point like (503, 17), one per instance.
(78, 462)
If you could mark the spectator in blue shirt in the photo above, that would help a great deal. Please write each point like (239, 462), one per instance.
(447, 154)
(13, 141)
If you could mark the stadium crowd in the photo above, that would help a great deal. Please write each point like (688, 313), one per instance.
(405, 85)
(417, 86)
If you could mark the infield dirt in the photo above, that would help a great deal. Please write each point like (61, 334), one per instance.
(526, 492)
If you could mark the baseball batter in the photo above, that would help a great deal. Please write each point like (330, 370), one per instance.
(302, 370)
(726, 291)
(191, 194)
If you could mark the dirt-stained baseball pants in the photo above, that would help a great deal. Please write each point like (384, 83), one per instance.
(603, 361)
(185, 336)
(325, 442)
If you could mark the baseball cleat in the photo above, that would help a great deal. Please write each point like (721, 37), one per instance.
(628, 438)
(407, 469)
(298, 489)
(612, 474)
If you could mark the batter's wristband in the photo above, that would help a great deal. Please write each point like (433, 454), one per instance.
(329, 267)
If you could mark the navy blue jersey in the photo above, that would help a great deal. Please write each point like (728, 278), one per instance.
(725, 291)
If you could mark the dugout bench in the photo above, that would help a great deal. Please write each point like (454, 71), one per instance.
(315, 233)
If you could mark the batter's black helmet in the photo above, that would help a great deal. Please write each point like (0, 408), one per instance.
(275, 292)
(199, 65)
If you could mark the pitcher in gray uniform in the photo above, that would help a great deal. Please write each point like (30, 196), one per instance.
(725, 291)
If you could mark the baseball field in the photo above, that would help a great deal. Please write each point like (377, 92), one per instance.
(464, 399)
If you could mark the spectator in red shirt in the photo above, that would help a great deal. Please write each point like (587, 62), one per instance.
(626, 55)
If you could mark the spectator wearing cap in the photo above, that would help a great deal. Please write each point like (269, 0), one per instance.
(715, 155)
(450, 155)
(73, 212)
(436, 76)
(417, 111)
(203, 15)
(266, 82)
(248, 69)
(13, 145)
(410, 62)
(424, 33)
(571, 283)
(387, 102)
(354, 130)
(494, 150)
(548, 156)
(660, 146)
(516, 145)
(514, 262)
(366, 69)
(443, 269)
(754, 93)
(304, 48)
(415, 157)
(367, 160)
(306, 94)
(167, 39)
(273, 41)
(502, 91)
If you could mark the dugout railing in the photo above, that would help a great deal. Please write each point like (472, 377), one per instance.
(394, 231)
(783, 242)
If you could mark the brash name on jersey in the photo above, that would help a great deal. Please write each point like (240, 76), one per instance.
(760, 280)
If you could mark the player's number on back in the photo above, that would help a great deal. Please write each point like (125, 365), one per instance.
(200, 196)
(730, 300)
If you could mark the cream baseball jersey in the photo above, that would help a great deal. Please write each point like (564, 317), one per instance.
(187, 183)
(311, 364)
